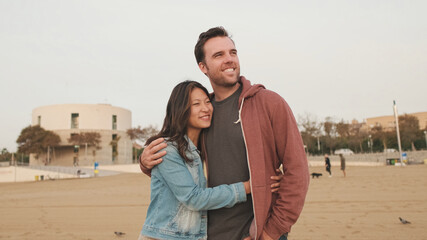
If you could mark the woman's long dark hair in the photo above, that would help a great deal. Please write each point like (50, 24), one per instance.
(177, 115)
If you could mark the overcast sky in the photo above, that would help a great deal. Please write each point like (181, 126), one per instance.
(344, 59)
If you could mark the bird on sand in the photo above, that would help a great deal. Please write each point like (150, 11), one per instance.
(404, 221)
(119, 233)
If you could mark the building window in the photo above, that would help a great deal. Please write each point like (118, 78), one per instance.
(114, 122)
(39, 120)
(75, 120)
(114, 144)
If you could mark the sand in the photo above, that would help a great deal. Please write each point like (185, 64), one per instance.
(364, 205)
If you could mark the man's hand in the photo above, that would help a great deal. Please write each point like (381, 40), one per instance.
(275, 186)
(151, 156)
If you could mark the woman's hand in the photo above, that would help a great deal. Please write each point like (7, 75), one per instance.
(277, 178)
(274, 187)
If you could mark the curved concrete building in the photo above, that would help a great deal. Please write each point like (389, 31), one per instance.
(69, 119)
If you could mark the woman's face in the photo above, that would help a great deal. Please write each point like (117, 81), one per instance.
(200, 111)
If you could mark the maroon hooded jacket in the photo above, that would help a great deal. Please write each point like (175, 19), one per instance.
(272, 138)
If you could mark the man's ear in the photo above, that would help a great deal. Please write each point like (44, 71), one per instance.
(203, 67)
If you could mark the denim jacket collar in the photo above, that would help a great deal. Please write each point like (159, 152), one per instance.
(191, 146)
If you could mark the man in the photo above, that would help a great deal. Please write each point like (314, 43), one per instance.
(253, 132)
(342, 160)
(328, 165)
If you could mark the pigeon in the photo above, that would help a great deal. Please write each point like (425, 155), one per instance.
(404, 221)
(119, 233)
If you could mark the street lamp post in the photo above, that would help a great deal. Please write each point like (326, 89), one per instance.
(396, 119)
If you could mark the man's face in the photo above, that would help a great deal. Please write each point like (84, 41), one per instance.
(221, 63)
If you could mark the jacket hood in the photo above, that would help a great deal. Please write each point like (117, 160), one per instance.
(248, 90)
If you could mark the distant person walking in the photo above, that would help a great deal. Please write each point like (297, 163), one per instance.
(342, 163)
(328, 165)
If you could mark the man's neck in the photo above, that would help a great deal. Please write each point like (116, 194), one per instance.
(222, 93)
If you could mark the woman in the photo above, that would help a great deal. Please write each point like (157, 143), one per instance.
(179, 197)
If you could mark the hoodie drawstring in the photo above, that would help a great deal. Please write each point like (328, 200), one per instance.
(240, 112)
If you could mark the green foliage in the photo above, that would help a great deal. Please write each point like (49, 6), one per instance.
(89, 138)
(333, 135)
(35, 139)
(5, 155)
(409, 127)
(114, 143)
(142, 134)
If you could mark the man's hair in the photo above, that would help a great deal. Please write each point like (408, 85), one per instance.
(199, 53)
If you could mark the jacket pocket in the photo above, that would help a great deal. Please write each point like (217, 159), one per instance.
(186, 220)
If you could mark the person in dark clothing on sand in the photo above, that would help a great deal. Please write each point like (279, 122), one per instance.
(328, 165)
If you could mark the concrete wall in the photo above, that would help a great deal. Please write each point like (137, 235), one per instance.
(92, 118)
(388, 122)
(64, 154)
(369, 159)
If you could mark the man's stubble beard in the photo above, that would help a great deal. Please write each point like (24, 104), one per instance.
(221, 82)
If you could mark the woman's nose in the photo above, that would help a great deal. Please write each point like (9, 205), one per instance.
(205, 107)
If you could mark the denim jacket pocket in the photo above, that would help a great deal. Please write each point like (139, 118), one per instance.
(186, 221)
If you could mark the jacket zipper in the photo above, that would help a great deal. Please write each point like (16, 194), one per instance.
(247, 159)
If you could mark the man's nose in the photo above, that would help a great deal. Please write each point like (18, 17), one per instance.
(229, 57)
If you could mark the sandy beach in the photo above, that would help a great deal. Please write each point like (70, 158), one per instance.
(364, 205)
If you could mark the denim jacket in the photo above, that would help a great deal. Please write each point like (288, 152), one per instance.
(180, 198)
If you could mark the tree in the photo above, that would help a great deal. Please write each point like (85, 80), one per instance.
(357, 136)
(37, 140)
(343, 129)
(378, 133)
(114, 144)
(329, 127)
(141, 134)
(5, 155)
(310, 132)
(92, 139)
(89, 138)
(410, 129)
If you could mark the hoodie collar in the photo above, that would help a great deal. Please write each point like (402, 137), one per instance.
(248, 89)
